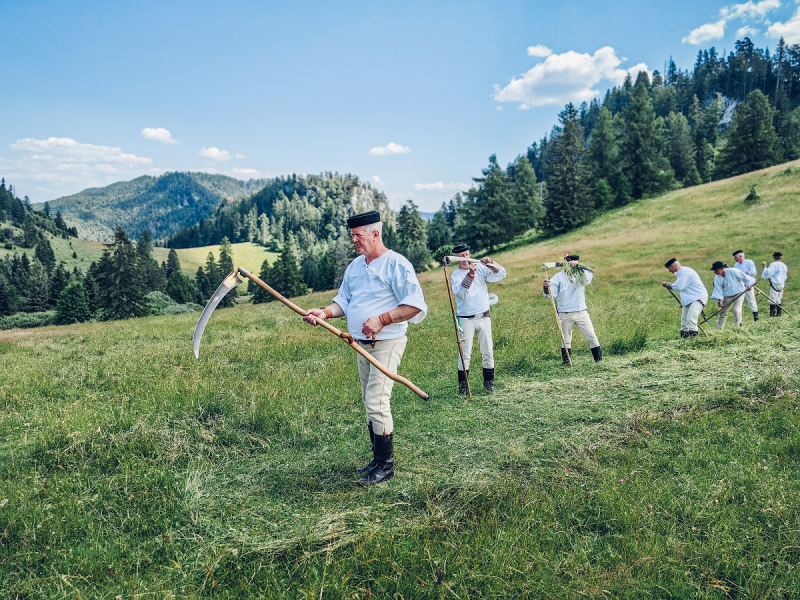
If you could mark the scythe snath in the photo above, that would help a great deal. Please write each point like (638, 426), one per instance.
(232, 280)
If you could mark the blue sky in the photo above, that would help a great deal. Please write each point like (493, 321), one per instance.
(411, 96)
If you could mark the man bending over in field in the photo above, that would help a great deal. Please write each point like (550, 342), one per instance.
(693, 295)
(380, 294)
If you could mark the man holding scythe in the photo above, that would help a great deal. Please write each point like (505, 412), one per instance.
(568, 287)
(468, 283)
(730, 285)
(694, 295)
(776, 273)
(380, 294)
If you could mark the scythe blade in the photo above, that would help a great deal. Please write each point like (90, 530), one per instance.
(230, 282)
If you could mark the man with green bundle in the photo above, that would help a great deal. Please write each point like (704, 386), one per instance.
(568, 288)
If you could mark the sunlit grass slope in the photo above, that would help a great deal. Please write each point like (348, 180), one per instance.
(669, 470)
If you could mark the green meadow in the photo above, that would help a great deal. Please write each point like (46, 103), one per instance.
(669, 470)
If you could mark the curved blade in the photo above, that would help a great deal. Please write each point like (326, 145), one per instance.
(230, 282)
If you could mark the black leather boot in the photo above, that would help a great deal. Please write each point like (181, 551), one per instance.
(565, 357)
(684, 334)
(488, 379)
(778, 310)
(373, 462)
(755, 316)
(597, 353)
(771, 310)
(462, 383)
(384, 467)
(691, 334)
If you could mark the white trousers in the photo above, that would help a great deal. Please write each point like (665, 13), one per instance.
(689, 315)
(583, 322)
(750, 296)
(376, 388)
(737, 311)
(775, 297)
(483, 327)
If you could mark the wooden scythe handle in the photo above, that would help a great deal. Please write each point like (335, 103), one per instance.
(455, 324)
(346, 337)
(770, 299)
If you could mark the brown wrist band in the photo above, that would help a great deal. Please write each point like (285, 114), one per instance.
(328, 312)
(386, 319)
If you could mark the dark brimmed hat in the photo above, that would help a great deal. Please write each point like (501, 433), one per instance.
(670, 262)
(718, 265)
(777, 255)
(460, 248)
(366, 218)
(738, 252)
(572, 257)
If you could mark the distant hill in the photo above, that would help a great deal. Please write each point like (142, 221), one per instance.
(162, 204)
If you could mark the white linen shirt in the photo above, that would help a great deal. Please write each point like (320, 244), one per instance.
(777, 273)
(733, 283)
(368, 290)
(569, 294)
(747, 265)
(690, 286)
(474, 300)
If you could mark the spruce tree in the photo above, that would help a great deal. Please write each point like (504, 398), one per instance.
(528, 209)
(644, 167)
(412, 230)
(284, 275)
(225, 267)
(260, 295)
(73, 305)
(38, 289)
(173, 264)
(6, 305)
(59, 280)
(680, 145)
(568, 203)
(119, 282)
(752, 142)
(439, 231)
(603, 151)
(44, 252)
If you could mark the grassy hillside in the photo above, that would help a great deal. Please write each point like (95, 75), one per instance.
(131, 468)
(87, 251)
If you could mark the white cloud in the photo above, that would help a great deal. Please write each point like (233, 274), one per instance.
(567, 77)
(440, 186)
(158, 134)
(64, 166)
(747, 10)
(746, 31)
(389, 149)
(539, 50)
(704, 33)
(215, 153)
(377, 180)
(245, 173)
(789, 30)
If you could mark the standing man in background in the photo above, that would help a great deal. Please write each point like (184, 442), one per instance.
(380, 294)
(468, 283)
(569, 292)
(693, 295)
(729, 288)
(749, 267)
(777, 273)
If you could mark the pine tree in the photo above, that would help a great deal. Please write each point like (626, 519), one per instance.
(568, 203)
(260, 295)
(528, 209)
(413, 233)
(6, 304)
(73, 305)
(644, 167)
(173, 264)
(38, 290)
(225, 266)
(680, 145)
(180, 288)
(439, 231)
(44, 252)
(752, 142)
(285, 277)
(59, 280)
(603, 151)
(119, 282)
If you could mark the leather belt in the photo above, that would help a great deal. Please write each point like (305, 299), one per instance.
(485, 314)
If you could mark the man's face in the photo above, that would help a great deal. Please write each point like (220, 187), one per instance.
(739, 258)
(463, 264)
(673, 268)
(719, 272)
(363, 241)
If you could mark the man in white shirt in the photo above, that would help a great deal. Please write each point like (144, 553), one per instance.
(749, 267)
(777, 273)
(729, 288)
(380, 294)
(468, 283)
(570, 295)
(693, 295)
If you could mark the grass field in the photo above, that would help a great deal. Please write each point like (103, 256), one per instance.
(670, 470)
(191, 258)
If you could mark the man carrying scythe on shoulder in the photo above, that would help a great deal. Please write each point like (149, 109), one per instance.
(568, 288)
(468, 283)
(380, 294)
